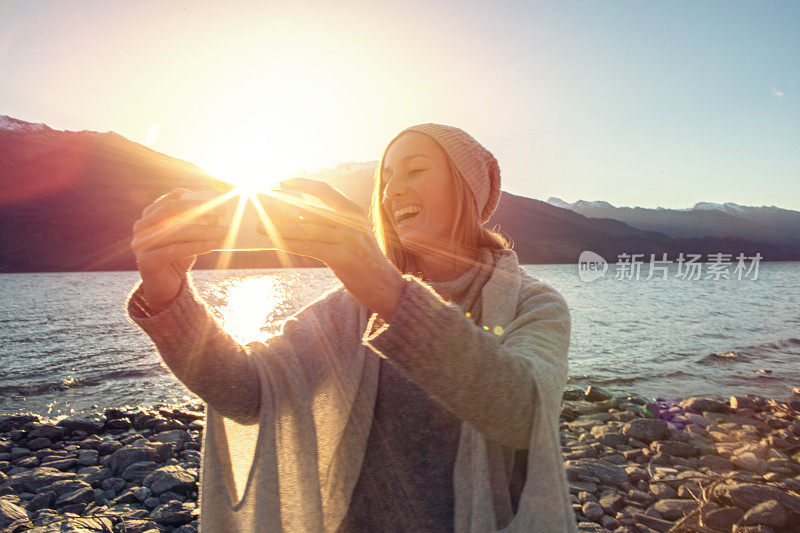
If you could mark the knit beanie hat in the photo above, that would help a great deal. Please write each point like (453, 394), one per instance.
(473, 161)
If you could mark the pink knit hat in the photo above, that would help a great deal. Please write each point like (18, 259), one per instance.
(476, 163)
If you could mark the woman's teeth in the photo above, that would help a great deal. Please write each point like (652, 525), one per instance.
(406, 213)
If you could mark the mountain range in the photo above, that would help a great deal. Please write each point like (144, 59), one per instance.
(767, 224)
(68, 201)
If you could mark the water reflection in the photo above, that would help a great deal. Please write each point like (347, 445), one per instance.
(248, 305)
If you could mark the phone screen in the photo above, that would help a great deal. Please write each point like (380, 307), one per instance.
(244, 217)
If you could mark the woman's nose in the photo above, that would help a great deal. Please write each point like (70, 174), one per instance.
(393, 189)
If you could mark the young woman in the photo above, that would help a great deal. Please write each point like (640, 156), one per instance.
(420, 394)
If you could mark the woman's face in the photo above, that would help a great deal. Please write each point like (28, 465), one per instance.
(418, 194)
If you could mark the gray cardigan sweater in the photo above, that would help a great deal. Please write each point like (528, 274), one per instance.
(431, 349)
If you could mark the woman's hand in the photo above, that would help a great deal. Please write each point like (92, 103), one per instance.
(166, 246)
(341, 238)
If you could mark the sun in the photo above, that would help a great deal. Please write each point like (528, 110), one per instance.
(252, 164)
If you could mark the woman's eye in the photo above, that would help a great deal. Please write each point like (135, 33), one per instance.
(415, 170)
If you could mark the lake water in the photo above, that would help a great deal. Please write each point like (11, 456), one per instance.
(66, 344)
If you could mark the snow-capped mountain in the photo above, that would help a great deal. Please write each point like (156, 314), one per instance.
(769, 224)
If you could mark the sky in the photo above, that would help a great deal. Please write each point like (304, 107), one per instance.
(636, 103)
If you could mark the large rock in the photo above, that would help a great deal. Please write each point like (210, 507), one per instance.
(608, 474)
(137, 452)
(138, 471)
(10, 512)
(39, 443)
(93, 524)
(77, 496)
(36, 479)
(748, 461)
(722, 518)
(609, 436)
(176, 437)
(88, 422)
(93, 474)
(715, 463)
(11, 422)
(698, 405)
(674, 509)
(768, 513)
(646, 429)
(133, 495)
(68, 485)
(612, 503)
(748, 495)
(653, 523)
(170, 478)
(597, 394)
(592, 511)
(173, 513)
(756, 403)
(674, 448)
(50, 431)
(42, 500)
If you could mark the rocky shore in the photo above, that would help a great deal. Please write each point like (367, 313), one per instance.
(634, 465)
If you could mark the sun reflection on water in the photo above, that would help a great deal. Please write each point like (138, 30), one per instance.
(249, 305)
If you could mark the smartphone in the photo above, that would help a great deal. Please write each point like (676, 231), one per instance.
(243, 215)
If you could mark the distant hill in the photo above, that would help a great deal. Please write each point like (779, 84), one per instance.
(68, 201)
(767, 224)
(544, 233)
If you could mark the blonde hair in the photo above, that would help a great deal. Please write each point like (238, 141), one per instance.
(466, 237)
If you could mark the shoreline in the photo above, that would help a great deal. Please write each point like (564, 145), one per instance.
(633, 465)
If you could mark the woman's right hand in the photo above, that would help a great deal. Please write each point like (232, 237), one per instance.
(166, 246)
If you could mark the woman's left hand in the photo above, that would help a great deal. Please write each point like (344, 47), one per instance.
(342, 238)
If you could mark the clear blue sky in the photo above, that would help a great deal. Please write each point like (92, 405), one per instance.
(636, 103)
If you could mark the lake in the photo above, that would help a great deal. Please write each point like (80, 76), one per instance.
(66, 344)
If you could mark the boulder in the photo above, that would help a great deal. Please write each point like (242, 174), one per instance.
(609, 436)
(721, 518)
(674, 448)
(699, 405)
(36, 479)
(49, 431)
(138, 471)
(87, 422)
(748, 461)
(43, 500)
(768, 513)
(68, 485)
(9, 423)
(646, 429)
(748, 495)
(137, 452)
(88, 457)
(170, 478)
(674, 509)
(10, 512)
(652, 522)
(592, 511)
(39, 443)
(597, 394)
(172, 513)
(81, 495)
(608, 474)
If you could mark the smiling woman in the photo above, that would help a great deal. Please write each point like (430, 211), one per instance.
(420, 394)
